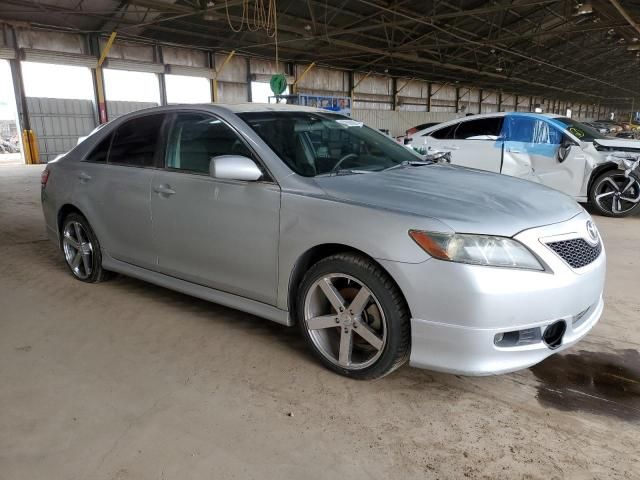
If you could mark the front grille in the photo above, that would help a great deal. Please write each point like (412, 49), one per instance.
(576, 252)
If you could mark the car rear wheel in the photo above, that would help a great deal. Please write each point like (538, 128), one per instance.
(615, 195)
(81, 249)
(354, 317)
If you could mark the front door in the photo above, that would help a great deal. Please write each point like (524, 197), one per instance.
(531, 152)
(218, 233)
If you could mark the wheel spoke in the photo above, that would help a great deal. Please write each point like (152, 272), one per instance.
(334, 297)
(360, 301)
(71, 241)
(613, 184)
(346, 344)
(76, 260)
(629, 184)
(323, 321)
(368, 334)
(598, 197)
(76, 227)
(86, 261)
(630, 200)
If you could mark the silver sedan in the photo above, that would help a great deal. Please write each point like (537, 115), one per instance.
(306, 217)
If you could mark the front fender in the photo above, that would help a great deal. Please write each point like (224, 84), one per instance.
(310, 221)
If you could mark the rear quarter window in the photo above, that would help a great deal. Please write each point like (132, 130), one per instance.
(444, 133)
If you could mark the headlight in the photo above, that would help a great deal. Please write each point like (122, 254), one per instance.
(476, 249)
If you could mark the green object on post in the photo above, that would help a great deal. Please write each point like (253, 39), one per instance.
(278, 83)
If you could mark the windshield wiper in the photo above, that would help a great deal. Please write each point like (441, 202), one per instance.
(408, 163)
(343, 171)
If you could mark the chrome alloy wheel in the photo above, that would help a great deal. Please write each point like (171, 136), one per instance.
(78, 250)
(345, 321)
(617, 193)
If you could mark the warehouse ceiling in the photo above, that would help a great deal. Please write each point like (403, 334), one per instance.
(586, 50)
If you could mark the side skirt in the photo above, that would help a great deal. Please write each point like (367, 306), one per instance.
(205, 293)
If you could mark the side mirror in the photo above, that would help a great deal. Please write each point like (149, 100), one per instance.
(564, 149)
(234, 167)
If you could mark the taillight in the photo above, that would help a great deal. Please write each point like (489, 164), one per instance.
(44, 177)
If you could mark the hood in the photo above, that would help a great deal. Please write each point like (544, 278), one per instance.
(467, 200)
(623, 143)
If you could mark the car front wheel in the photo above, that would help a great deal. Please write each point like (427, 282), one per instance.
(615, 195)
(354, 317)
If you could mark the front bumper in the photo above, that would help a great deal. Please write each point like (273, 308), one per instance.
(457, 309)
(472, 351)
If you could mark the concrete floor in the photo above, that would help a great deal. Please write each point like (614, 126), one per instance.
(125, 380)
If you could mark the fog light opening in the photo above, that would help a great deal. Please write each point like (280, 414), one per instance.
(553, 334)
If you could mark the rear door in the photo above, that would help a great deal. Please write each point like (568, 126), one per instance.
(473, 143)
(219, 233)
(115, 180)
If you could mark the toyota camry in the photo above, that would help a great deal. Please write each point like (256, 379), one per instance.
(309, 218)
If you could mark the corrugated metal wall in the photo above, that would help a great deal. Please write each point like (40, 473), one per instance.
(117, 108)
(58, 123)
(399, 121)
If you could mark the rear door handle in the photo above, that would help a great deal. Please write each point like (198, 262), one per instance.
(83, 177)
(511, 150)
(164, 190)
(451, 147)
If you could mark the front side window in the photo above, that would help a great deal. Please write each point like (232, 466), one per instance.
(531, 130)
(312, 143)
(196, 138)
(136, 141)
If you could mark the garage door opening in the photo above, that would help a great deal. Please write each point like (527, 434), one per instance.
(128, 91)
(59, 104)
(261, 91)
(10, 141)
(184, 89)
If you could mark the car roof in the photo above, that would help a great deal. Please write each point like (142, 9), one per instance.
(267, 107)
(483, 115)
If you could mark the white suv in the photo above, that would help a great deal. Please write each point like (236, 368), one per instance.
(550, 149)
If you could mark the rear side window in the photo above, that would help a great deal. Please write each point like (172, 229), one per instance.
(483, 128)
(136, 141)
(100, 152)
(446, 133)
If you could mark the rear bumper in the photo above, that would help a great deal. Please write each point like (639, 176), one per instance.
(472, 351)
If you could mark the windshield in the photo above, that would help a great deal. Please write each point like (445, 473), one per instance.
(313, 143)
(584, 132)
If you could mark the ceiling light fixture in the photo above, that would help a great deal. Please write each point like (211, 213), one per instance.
(584, 8)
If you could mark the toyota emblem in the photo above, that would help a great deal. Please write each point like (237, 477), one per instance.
(592, 231)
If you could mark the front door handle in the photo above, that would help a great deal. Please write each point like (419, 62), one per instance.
(164, 190)
(451, 147)
(83, 177)
(511, 150)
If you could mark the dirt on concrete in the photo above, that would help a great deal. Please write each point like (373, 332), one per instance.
(126, 380)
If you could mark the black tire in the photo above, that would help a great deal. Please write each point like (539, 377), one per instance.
(97, 273)
(604, 206)
(396, 316)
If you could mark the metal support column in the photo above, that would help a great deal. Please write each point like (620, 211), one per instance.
(103, 115)
(294, 86)
(216, 95)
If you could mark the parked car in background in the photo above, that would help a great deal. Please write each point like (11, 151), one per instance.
(307, 217)
(420, 127)
(550, 149)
